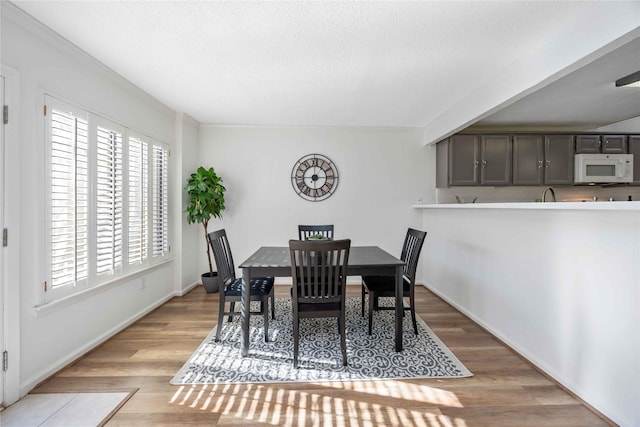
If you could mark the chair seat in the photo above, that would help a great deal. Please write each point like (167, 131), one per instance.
(260, 286)
(385, 285)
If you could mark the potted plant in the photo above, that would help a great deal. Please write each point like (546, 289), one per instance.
(206, 201)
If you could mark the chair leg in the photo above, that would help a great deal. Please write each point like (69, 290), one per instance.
(363, 293)
(343, 338)
(372, 298)
(273, 305)
(220, 316)
(232, 308)
(265, 314)
(412, 304)
(296, 338)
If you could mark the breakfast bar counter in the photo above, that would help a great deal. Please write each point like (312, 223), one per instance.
(559, 282)
(587, 206)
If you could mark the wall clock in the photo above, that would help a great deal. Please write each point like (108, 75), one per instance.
(314, 177)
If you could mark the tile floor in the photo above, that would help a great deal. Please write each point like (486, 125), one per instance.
(61, 409)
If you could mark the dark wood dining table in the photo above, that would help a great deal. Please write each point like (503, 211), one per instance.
(275, 261)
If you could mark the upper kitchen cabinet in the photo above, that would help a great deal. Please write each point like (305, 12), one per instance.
(528, 160)
(542, 160)
(479, 160)
(464, 159)
(495, 159)
(634, 148)
(612, 144)
(558, 159)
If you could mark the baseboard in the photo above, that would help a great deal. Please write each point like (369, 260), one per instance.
(55, 367)
(183, 292)
(540, 367)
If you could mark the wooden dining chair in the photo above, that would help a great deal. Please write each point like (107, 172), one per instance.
(306, 231)
(385, 286)
(231, 292)
(318, 268)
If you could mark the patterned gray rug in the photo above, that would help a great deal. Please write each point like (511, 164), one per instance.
(369, 356)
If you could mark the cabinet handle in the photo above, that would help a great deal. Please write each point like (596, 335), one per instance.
(484, 163)
(539, 164)
(548, 163)
(475, 164)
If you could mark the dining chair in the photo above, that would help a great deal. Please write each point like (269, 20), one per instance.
(385, 286)
(318, 268)
(231, 292)
(306, 231)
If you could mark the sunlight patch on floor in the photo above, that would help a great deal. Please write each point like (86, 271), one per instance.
(361, 404)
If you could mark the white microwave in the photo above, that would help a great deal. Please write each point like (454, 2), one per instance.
(603, 168)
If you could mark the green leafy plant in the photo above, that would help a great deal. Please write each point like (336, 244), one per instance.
(206, 201)
(318, 237)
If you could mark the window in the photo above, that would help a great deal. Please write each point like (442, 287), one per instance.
(108, 210)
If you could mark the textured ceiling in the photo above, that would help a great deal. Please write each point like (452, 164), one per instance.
(314, 63)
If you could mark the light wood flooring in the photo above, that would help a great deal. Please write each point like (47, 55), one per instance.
(504, 391)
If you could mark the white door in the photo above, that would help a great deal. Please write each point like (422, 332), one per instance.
(2, 226)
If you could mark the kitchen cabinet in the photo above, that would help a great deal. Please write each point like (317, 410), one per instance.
(558, 159)
(528, 160)
(499, 159)
(495, 159)
(479, 160)
(634, 148)
(610, 144)
(464, 155)
(543, 160)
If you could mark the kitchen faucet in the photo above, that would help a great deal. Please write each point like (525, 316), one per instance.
(544, 194)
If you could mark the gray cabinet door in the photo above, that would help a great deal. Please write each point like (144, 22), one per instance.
(464, 159)
(634, 148)
(528, 160)
(614, 144)
(558, 154)
(587, 143)
(495, 160)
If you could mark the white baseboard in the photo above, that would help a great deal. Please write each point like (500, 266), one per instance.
(32, 382)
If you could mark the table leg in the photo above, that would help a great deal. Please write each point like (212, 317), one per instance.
(244, 310)
(399, 309)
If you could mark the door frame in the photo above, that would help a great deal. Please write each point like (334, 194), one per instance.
(10, 219)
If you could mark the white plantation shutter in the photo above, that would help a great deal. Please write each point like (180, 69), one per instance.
(69, 208)
(160, 201)
(109, 200)
(108, 209)
(138, 168)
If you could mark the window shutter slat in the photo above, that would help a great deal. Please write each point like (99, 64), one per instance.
(69, 236)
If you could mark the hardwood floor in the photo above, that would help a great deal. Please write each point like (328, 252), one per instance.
(504, 391)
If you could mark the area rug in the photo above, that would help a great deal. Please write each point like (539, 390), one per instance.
(369, 356)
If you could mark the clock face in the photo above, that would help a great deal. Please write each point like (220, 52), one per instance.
(314, 177)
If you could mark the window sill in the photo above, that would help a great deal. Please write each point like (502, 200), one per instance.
(52, 306)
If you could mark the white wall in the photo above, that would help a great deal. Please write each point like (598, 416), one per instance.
(381, 174)
(44, 63)
(562, 287)
(185, 162)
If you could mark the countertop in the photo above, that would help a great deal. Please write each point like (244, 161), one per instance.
(593, 206)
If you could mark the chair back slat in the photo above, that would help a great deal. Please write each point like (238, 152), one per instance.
(306, 231)
(318, 268)
(222, 254)
(411, 252)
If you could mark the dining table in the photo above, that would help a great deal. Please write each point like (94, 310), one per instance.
(275, 261)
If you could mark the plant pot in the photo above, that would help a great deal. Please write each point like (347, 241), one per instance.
(211, 282)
